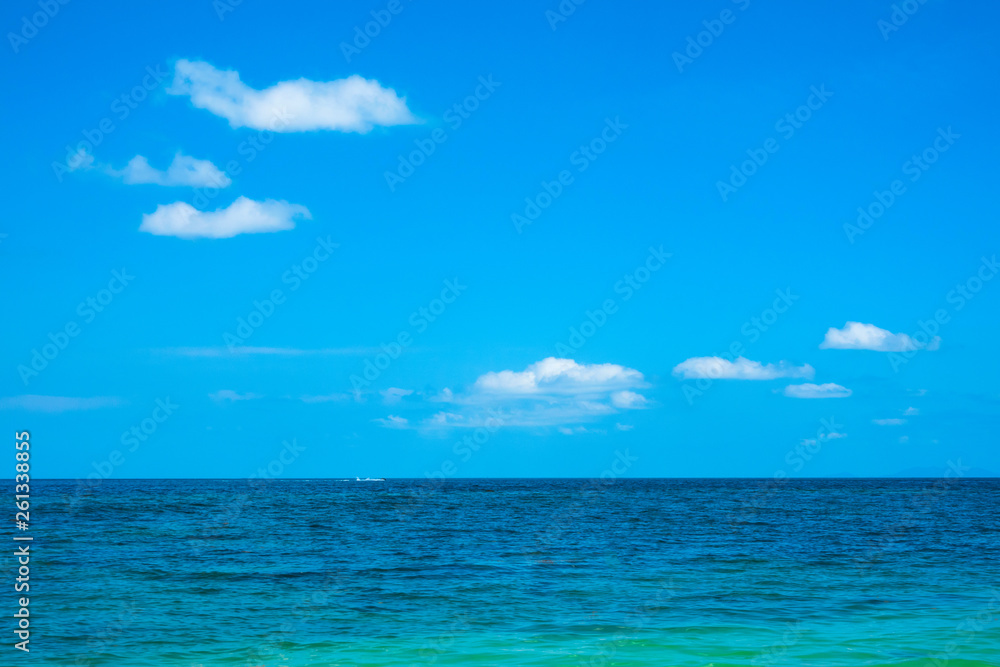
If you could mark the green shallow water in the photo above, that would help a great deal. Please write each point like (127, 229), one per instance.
(519, 572)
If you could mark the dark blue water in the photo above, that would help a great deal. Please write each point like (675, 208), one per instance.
(519, 572)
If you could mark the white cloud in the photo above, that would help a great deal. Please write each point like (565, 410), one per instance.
(833, 435)
(183, 170)
(232, 396)
(559, 376)
(393, 421)
(624, 427)
(37, 403)
(859, 336)
(394, 394)
(717, 368)
(628, 400)
(354, 104)
(889, 422)
(808, 390)
(549, 393)
(911, 412)
(243, 216)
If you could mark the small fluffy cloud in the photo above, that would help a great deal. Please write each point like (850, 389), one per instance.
(183, 170)
(624, 427)
(911, 412)
(628, 400)
(860, 336)
(808, 390)
(559, 376)
(354, 104)
(394, 394)
(717, 368)
(36, 403)
(243, 216)
(392, 421)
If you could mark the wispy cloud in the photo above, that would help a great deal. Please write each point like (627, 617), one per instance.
(808, 390)
(223, 351)
(394, 394)
(326, 398)
(717, 368)
(889, 422)
(392, 421)
(860, 336)
(911, 412)
(353, 104)
(228, 395)
(183, 170)
(243, 216)
(37, 403)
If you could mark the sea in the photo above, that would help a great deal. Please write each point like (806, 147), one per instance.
(665, 572)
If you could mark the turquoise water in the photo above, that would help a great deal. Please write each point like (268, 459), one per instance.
(516, 572)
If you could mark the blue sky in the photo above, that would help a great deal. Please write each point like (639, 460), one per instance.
(463, 192)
